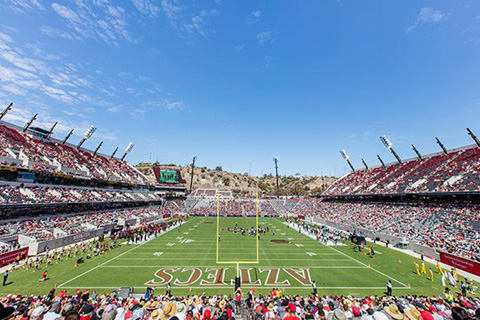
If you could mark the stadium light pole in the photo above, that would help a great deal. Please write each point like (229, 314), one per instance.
(275, 160)
(347, 159)
(127, 150)
(51, 129)
(194, 158)
(87, 135)
(67, 136)
(381, 161)
(114, 152)
(416, 152)
(29, 123)
(471, 134)
(365, 164)
(96, 150)
(5, 111)
(441, 145)
(389, 146)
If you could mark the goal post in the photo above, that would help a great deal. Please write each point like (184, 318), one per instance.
(257, 242)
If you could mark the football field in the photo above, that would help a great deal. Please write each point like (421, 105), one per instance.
(187, 258)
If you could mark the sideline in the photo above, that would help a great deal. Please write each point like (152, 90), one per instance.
(114, 258)
(352, 258)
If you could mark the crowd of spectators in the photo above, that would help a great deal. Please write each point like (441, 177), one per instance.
(233, 207)
(36, 195)
(55, 157)
(450, 228)
(456, 171)
(86, 305)
(45, 228)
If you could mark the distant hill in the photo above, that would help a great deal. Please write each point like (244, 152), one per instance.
(205, 178)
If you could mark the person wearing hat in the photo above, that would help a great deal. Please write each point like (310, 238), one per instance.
(109, 312)
(54, 311)
(157, 314)
(181, 311)
(413, 314)
(393, 311)
(337, 314)
(270, 314)
(169, 310)
(38, 313)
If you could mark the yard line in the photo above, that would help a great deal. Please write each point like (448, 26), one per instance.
(227, 253)
(162, 258)
(230, 267)
(249, 287)
(352, 258)
(114, 258)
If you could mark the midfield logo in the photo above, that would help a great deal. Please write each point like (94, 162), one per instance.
(216, 276)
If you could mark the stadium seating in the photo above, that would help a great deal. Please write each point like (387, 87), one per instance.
(45, 228)
(20, 150)
(39, 195)
(457, 171)
(450, 228)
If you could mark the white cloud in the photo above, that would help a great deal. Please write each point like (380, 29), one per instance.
(197, 23)
(23, 6)
(194, 26)
(100, 21)
(239, 47)
(58, 94)
(114, 109)
(254, 16)
(146, 7)
(167, 104)
(265, 37)
(427, 16)
(28, 64)
(268, 61)
(171, 9)
(13, 89)
(56, 33)
(5, 37)
(66, 12)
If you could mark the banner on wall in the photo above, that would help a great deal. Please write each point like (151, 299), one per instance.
(460, 263)
(10, 257)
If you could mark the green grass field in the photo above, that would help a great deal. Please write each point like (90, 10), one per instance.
(187, 258)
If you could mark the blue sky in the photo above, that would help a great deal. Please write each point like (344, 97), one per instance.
(238, 82)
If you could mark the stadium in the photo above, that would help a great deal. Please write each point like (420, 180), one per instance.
(86, 234)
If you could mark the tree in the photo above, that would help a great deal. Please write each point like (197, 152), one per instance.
(226, 181)
(218, 168)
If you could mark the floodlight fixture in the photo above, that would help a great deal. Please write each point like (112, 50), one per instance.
(87, 135)
(127, 150)
(347, 159)
(386, 142)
